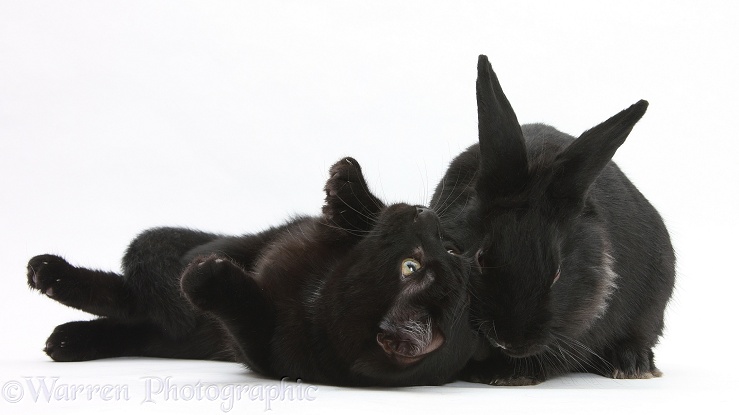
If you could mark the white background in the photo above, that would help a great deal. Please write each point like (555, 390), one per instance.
(224, 116)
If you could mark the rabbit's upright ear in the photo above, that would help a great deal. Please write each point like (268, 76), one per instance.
(581, 162)
(503, 161)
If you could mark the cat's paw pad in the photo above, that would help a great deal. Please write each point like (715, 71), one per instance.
(342, 175)
(349, 203)
(49, 274)
(67, 344)
(205, 281)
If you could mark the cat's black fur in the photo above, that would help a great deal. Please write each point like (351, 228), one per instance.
(576, 266)
(324, 299)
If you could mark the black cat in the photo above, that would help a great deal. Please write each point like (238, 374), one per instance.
(576, 267)
(363, 295)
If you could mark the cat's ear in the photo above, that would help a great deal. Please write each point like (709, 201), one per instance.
(503, 161)
(577, 167)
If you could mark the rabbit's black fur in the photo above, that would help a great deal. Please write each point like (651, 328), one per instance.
(325, 299)
(576, 267)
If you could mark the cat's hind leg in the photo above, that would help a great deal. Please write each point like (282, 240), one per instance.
(96, 292)
(96, 339)
(221, 288)
(106, 337)
(152, 266)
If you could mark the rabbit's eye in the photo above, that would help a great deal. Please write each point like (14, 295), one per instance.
(480, 258)
(409, 266)
(556, 275)
(452, 249)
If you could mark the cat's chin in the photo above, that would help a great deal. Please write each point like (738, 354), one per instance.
(411, 342)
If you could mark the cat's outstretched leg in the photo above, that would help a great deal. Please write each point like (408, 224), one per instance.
(349, 203)
(106, 337)
(223, 289)
(147, 290)
(95, 339)
(96, 292)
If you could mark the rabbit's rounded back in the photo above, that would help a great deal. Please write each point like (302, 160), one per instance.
(568, 250)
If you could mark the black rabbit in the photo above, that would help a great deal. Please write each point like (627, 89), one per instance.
(362, 295)
(576, 267)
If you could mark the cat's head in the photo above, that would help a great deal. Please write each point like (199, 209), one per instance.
(399, 304)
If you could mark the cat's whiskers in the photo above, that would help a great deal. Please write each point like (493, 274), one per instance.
(424, 182)
(444, 202)
(459, 194)
(370, 219)
(462, 306)
(459, 213)
(361, 233)
(378, 204)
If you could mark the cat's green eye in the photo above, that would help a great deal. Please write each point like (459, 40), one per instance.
(409, 266)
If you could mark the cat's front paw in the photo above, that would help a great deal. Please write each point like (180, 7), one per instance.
(344, 175)
(206, 282)
(51, 275)
(343, 171)
(349, 203)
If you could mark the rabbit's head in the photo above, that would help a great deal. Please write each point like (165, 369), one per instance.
(534, 204)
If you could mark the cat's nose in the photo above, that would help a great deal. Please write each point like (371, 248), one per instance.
(425, 215)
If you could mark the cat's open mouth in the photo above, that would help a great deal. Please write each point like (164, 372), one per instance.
(411, 340)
